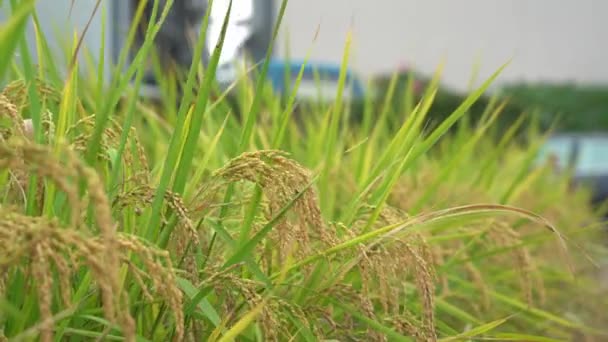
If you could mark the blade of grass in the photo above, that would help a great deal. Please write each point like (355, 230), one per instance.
(302, 330)
(456, 115)
(499, 150)
(35, 111)
(202, 166)
(171, 159)
(187, 154)
(466, 150)
(46, 62)
(330, 141)
(416, 223)
(11, 33)
(524, 171)
(395, 336)
(525, 308)
(520, 337)
(123, 78)
(399, 146)
(446, 307)
(102, 61)
(202, 303)
(252, 115)
(286, 115)
(124, 135)
(246, 248)
(479, 330)
(255, 106)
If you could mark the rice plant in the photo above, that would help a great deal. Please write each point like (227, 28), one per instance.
(124, 219)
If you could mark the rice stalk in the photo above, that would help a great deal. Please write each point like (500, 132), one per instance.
(282, 178)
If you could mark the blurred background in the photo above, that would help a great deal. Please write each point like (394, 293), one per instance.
(556, 49)
(548, 41)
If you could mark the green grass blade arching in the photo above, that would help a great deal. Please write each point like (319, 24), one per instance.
(416, 223)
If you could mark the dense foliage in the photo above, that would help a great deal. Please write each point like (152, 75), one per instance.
(130, 220)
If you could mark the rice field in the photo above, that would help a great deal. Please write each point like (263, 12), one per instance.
(127, 219)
